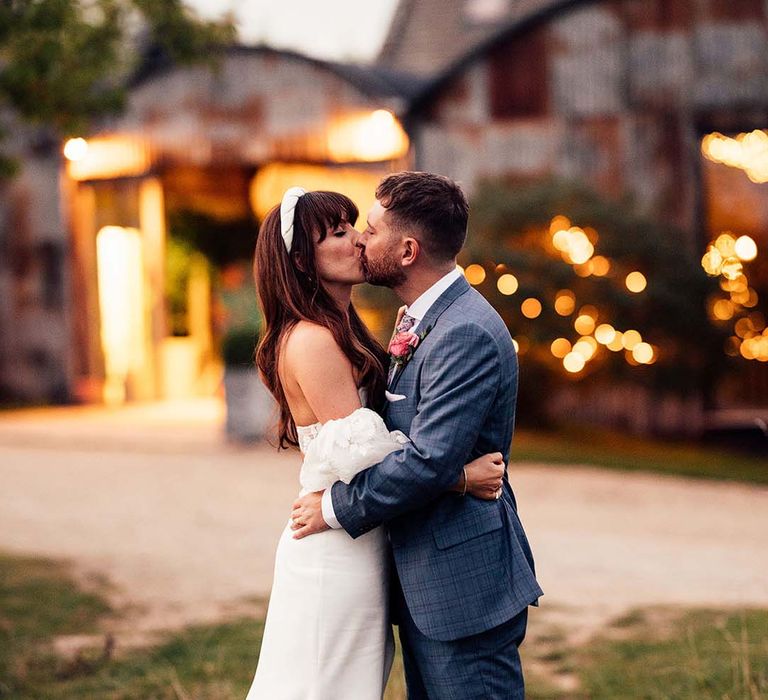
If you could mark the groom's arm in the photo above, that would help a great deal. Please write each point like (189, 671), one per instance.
(459, 380)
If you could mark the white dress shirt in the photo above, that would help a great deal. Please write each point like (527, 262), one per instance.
(417, 310)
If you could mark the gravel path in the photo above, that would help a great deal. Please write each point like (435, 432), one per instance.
(184, 526)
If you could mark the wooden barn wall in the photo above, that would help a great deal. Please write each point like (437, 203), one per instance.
(613, 93)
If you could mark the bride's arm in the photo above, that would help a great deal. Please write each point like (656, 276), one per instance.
(323, 373)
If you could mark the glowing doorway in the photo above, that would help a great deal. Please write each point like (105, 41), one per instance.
(123, 327)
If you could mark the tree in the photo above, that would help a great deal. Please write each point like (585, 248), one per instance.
(65, 62)
(554, 260)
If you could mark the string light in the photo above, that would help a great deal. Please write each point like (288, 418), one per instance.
(635, 282)
(725, 257)
(565, 302)
(748, 152)
(475, 274)
(531, 308)
(507, 284)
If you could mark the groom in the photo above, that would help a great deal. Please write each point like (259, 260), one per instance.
(463, 570)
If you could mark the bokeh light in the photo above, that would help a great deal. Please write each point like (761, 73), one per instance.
(745, 248)
(605, 333)
(601, 266)
(565, 302)
(630, 339)
(475, 274)
(560, 347)
(531, 307)
(584, 324)
(573, 243)
(586, 346)
(643, 353)
(636, 282)
(617, 343)
(731, 268)
(573, 362)
(723, 310)
(507, 284)
(726, 245)
(747, 151)
(75, 149)
(589, 310)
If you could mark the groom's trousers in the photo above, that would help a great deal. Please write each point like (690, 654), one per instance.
(484, 666)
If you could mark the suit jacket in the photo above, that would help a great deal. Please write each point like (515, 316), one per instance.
(464, 564)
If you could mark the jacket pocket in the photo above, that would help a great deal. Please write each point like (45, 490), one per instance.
(467, 527)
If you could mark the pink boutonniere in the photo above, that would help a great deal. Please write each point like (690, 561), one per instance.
(403, 345)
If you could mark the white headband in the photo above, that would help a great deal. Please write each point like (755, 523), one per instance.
(287, 207)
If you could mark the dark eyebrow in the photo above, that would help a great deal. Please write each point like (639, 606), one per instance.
(368, 223)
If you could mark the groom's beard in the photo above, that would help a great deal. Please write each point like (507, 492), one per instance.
(385, 272)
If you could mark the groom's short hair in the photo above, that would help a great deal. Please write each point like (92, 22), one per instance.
(433, 206)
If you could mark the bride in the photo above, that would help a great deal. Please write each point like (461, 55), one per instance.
(327, 633)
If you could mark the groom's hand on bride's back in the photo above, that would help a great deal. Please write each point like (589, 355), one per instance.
(485, 476)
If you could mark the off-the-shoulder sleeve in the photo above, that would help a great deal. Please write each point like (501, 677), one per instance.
(346, 446)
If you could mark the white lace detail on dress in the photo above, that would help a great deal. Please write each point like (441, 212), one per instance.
(341, 448)
(306, 434)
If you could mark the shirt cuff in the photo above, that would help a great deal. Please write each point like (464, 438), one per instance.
(329, 515)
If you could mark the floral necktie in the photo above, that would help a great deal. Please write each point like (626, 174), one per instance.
(406, 323)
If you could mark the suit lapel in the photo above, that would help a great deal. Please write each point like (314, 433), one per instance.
(459, 287)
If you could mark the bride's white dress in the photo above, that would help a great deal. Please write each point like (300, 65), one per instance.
(327, 635)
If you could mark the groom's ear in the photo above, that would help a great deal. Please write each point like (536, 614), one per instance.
(411, 250)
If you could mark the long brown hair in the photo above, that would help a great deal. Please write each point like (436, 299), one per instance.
(290, 291)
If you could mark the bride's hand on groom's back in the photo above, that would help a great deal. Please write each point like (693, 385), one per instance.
(485, 475)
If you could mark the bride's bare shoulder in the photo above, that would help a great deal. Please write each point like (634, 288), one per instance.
(311, 341)
(306, 334)
(319, 371)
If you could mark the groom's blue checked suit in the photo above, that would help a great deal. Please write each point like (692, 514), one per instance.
(464, 565)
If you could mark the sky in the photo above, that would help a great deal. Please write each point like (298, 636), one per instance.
(339, 30)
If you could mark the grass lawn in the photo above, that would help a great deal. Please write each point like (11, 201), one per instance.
(702, 655)
(39, 601)
(624, 452)
(658, 654)
(685, 655)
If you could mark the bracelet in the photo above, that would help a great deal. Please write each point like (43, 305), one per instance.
(464, 492)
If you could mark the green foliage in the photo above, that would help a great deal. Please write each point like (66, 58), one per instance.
(178, 35)
(65, 62)
(238, 346)
(57, 61)
(220, 241)
(510, 226)
(8, 167)
(177, 259)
